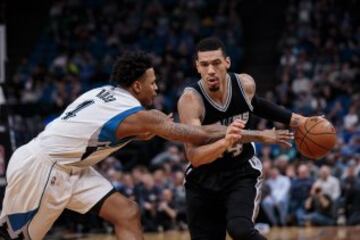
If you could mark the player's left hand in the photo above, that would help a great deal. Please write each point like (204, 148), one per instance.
(233, 132)
(282, 137)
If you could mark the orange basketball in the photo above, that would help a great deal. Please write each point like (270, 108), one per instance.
(315, 138)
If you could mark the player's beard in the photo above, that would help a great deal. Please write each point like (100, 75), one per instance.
(214, 88)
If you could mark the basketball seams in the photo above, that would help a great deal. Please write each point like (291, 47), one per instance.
(312, 126)
(301, 136)
(309, 150)
(327, 149)
(325, 133)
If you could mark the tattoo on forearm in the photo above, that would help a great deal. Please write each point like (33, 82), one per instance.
(215, 128)
(251, 136)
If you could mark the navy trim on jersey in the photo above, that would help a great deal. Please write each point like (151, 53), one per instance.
(108, 131)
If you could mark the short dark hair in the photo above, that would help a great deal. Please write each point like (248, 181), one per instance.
(210, 44)
(130, 67)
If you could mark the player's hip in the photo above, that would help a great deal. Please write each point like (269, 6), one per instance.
(219, 179)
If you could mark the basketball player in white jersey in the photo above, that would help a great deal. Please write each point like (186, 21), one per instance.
(54, 171)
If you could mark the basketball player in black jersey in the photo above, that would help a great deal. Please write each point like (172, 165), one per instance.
(222, 184)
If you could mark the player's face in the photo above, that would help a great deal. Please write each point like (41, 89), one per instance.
(148, 87)
(212, 66)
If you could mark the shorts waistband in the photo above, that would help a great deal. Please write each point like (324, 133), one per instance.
(35, 149)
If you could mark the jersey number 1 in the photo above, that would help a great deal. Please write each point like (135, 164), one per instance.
(79, 107)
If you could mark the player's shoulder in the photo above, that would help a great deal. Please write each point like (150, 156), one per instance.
(190, 95)
(248, 84)
(114, 98)
(245, 78)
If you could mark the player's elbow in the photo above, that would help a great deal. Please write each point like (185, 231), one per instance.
(193, 158)
(195, 164)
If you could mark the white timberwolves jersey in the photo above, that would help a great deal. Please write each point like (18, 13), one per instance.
(85, 133)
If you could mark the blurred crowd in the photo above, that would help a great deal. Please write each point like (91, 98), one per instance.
(318, 75)
(83, 39)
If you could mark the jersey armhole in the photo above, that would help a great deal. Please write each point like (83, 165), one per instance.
(203, 112)
(108, 130)
(247, 100)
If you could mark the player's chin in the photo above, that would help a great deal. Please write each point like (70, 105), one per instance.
(214, 88)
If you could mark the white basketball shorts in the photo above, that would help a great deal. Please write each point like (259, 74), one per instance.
(39, 190)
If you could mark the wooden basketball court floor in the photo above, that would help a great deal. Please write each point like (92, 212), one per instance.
(288, 233)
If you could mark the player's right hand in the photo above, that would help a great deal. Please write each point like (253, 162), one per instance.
(281, 137)
(233, 132)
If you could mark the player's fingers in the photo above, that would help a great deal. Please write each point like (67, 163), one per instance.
(238, 124)
(170, 116)
(239, 120)
(235, 129)
(235, 137)
(287, 136)
(285, 144)
(242, 122)
(285, 133)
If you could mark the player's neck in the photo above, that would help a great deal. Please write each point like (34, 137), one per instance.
(131, 91)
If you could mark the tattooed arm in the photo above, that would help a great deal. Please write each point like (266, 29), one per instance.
(156, 122)
(191, 111)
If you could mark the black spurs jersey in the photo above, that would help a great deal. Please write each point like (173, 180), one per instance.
(236, 106)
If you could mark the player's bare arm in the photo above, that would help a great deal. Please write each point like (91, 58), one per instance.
(267, 136)
(158, 123)
(191, 111)
(249, 85)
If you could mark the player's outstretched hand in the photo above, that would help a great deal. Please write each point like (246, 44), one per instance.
(233, 132)
(282, 137)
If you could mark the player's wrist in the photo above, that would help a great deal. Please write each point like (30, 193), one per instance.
(297, 120)
(225, 143)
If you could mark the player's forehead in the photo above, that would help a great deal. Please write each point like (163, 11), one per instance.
(209, 56)
(149, 75)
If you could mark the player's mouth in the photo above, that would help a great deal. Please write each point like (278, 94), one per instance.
(213, 81)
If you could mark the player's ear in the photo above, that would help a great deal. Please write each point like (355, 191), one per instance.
(197, 65)
(228, 62)
(136, 86)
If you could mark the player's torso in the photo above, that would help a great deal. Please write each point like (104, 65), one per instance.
(85, 133)
(236, 106)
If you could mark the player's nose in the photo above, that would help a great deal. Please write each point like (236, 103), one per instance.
(211, 69)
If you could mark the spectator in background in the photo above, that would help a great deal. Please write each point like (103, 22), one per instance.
(148, 198)
(278, 199)
(128, 187)
(329, 184)
(171, 154)
(300, 189)
(317, 209)
(351, 119)
(166, 211)
(161, 179)
(351, 194)
(180, 199)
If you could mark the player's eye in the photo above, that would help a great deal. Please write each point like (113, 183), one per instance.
(216, 62)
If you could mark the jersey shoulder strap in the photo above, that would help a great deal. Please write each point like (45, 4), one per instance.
(235, 79)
